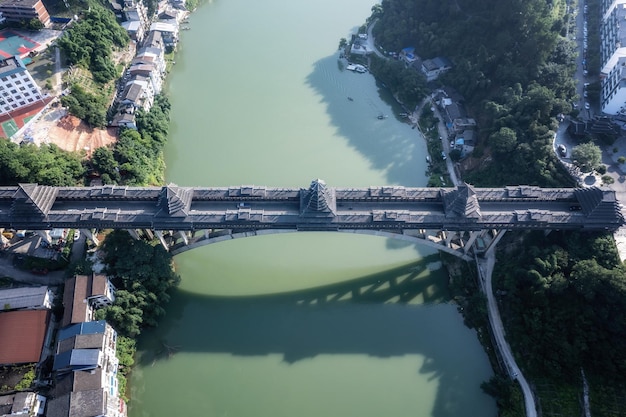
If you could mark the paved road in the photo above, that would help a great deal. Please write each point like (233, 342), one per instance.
(485, 270)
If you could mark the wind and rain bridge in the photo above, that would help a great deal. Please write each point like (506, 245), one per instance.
(463, 220)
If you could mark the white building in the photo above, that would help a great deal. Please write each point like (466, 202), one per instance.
(17, 87)
(613, 56)
(26, 298)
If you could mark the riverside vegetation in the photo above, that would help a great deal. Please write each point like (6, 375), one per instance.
(562, 296)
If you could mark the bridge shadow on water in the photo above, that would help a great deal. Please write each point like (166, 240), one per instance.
(368, 316)
(354, 102)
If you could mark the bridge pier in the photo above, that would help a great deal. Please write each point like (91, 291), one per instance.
(91, 235)
(159, 235)
(496, 239)
(133, 233)
(470, 242)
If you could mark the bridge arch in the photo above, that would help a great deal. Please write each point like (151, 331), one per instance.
(461, 250)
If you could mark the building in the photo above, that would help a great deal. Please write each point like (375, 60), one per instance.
(19, 10)
(23, 334)
(23, 404)
(83, 294)
(17, 87)
(86, 373)
(433, 68)
(613, 57)
(26, 298)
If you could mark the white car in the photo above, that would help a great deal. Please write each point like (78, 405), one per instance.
(76, 235)
(587, 106)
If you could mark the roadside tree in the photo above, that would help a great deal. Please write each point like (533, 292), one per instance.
(586, 156)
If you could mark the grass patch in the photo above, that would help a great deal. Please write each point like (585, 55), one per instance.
(558, 398)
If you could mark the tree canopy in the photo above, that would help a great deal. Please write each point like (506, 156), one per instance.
(511, 64)
(46, 165)
(142, 273)
(586, 156)
(89, 42)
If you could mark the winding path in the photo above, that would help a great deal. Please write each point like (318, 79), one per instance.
(485, 270)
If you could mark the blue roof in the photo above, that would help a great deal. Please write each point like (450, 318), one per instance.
(86, 327)
(77, 359)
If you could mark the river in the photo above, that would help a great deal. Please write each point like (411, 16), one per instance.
(302, 324)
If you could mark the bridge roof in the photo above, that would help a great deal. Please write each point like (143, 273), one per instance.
(318, 207)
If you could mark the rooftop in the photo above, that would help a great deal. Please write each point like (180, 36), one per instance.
(22, 334)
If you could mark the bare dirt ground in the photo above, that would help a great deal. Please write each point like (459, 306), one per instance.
(72, 134)
(69, 133)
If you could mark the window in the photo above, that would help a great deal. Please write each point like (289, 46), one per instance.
(22, 88)
(22, 103)
(13, 91)
(18, 82)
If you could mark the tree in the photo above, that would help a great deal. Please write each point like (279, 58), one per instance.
(586, 156)
(503, 141)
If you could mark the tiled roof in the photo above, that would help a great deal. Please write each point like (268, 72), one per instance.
(22, 334)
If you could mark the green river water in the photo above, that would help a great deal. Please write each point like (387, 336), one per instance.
(301, 324)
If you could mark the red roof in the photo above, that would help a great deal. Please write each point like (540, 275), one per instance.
(22, 334)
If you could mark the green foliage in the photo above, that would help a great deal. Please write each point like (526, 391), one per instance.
(85, 106)
(511, 65)
(565, 304)
(46, 165)
(409, 84)
(89, 42)
(607, 179)
(144, 277)
(586, 156)
(621, 159)
(34, 24)
(137, 157)
(27, 380)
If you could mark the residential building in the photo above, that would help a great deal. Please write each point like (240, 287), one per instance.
(23, 334)
(613, 57)
(433, 68)
(26, 298)
(83, 294)
(17, 87)
(19, 10)
(23, 404)
(86, 373)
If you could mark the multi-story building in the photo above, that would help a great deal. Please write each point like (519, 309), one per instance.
(613, 56)
(17, 87)
(83, 294)
(86, 368)
(20, 10)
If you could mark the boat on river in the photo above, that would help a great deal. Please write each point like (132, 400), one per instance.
(356, 68)
(382, 116)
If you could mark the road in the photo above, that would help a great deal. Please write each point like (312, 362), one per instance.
(485, 270)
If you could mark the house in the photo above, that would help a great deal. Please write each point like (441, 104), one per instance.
(24, 10)
(83, 294)
(24, 404)
(463, 123)
(23, 334)
(86, 367)
(135, 30)
(125, 120)
(408, 55)
(26, 298)
(169, 32)
(433, 68)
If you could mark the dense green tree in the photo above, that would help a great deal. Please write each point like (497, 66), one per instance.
(586, 156)
(143, 274)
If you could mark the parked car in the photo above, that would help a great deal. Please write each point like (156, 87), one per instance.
(562, 150)
(443, 155)
(76, 235)
(587, 106)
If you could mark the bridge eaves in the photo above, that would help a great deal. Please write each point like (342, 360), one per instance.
(175, 201)
(461, 201)
(33, 200)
